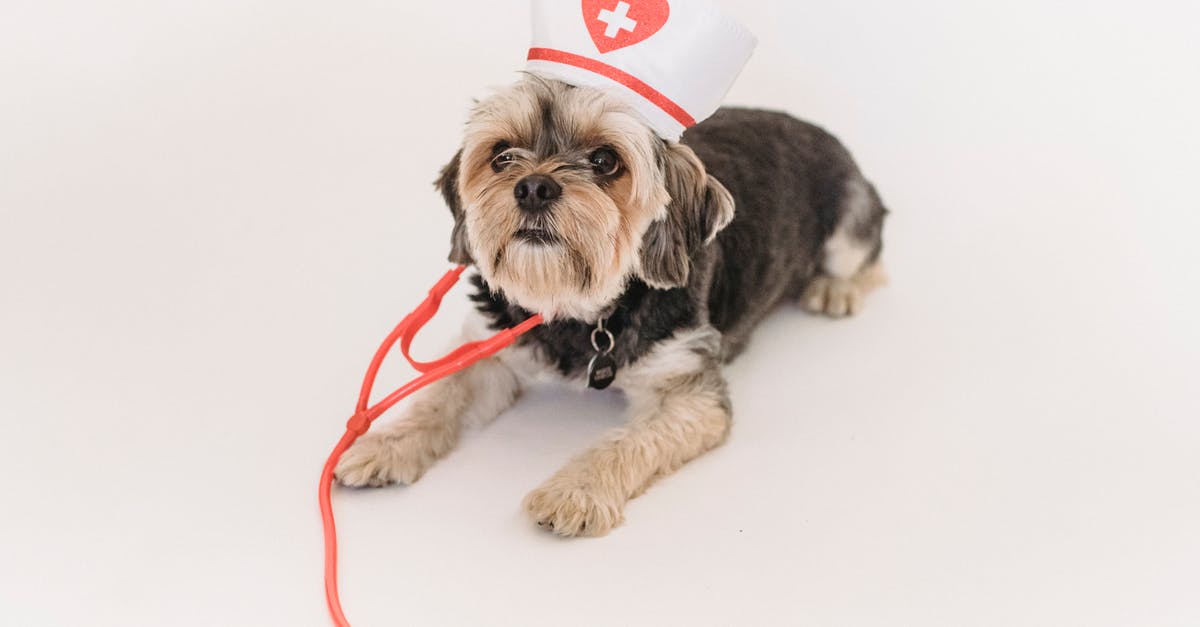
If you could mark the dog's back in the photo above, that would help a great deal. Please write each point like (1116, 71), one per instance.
(807, 224)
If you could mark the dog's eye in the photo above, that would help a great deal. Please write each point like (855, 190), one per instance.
(502, 158)
(604, 161)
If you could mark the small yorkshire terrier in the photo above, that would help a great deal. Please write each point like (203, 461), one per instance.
(651, 260)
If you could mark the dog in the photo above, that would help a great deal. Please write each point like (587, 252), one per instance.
(656, 257)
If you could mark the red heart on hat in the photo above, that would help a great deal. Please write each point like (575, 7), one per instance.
(616, 24)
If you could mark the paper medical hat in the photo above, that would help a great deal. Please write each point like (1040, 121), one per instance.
(672, 60)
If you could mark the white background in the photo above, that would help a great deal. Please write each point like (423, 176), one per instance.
(210, 212)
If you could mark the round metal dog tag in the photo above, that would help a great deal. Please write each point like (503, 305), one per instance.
(601, 371)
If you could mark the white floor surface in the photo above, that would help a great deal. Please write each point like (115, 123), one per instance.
(210, 212)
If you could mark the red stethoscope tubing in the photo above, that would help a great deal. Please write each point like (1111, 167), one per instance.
(358, 424)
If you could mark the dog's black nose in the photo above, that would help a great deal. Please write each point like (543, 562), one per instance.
(536, 192)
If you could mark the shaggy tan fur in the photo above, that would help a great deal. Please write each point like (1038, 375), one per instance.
(679, 408)
(601, 228)
(401, 451)
(836, 296)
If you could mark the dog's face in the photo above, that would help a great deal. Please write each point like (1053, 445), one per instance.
(561, 194)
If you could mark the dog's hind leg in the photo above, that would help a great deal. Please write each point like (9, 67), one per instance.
(850, 264)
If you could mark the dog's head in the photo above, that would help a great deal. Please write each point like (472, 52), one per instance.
(561, 194)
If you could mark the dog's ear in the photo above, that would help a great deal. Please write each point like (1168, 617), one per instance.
(447, 183)
(699, 208)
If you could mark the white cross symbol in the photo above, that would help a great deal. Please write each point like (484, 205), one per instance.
(617, 20)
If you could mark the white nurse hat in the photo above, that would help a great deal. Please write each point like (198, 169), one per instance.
(672, 60)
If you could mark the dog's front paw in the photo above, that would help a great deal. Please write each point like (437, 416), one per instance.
(379, 459)
(571, 504)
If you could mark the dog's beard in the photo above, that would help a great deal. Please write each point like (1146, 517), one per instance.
(567, 261)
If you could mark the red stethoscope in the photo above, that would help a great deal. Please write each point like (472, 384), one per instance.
(358, 424)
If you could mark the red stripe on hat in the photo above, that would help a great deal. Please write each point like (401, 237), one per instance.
(620, 76)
